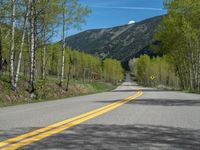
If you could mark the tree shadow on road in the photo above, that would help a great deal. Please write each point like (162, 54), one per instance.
(144, 90)
(160, 102)
(121, 137)
(116, 137)
(6, 134)
(167, 102)
(131, 84)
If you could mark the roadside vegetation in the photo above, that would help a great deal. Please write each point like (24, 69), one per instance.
(154, 72)
(48, 90)
(178, 36)
(32, 68)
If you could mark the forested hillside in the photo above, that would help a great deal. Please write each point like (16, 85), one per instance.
(179, 36)
(122, 42)
(31, 67)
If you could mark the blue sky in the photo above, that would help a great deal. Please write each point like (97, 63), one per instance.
(109, 13)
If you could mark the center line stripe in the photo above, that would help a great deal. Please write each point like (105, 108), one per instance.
(21, 137)
(42, 133)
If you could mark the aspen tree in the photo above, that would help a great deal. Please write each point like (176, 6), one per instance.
(12, 45)
(22, 44)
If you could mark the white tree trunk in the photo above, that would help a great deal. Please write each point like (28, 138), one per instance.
(22, 46)
(12, 47)
(32, 47)
(44, 53)
(1, 49)
(63, 51)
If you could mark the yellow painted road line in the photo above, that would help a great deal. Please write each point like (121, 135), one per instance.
(26, 135)
(71, 123)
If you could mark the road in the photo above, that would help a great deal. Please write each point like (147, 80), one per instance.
(127, 119)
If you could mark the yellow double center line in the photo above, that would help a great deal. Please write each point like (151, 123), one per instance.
(37, 135)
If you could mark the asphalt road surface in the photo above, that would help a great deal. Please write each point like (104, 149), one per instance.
(153, 120)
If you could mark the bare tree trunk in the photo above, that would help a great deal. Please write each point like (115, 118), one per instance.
(32, 47)
(21, 47)
(44, 53)
(1, 49)
(69, 72)
(198, 67)
(63, 50)
(12, 47)
(35, 42)
(26, 61)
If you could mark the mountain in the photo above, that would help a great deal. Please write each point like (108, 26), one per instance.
(121, 42)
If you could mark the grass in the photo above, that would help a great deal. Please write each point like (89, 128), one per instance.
(47, 90)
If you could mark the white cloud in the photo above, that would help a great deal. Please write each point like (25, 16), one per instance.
(131, 22)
